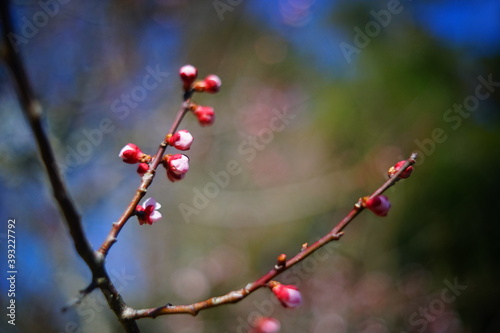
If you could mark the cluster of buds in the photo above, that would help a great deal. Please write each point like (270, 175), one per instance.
(189, 74)
(177, 165)
(380, 204)
(132, 154)
(211, 84)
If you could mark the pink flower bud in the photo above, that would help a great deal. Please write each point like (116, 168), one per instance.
(181, 140)
(131, 154)
(266, 325)
(188, 74)
(288, 295)
(177, 163)
(405, 174)
(205, 115)
(148, 212)
(174, 177)
(379, 205)
(142, 168)
(212, 84)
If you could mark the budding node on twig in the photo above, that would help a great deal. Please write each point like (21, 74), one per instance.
(280, 262)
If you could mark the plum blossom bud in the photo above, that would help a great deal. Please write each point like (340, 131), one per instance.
(188, 74)
(177, 163)
(181, 140)
(379, 205)
(174, 177)
(148, 212)
(405, 174)
(205, 115)
(266, 325)
(212, 84)
(288, 295)
(131, 154)
(142, 168)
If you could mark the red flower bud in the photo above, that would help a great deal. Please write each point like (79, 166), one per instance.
(379, 205)
(142, 168)
(288, 295)
(181, 140)
(266, 325)
(188, 74)
(131, 154)
(212, 84)
(405, 174)
(205, 115)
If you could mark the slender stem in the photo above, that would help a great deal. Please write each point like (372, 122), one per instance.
(147, 180)
(238, 295)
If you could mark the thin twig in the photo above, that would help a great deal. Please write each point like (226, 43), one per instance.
(147, 180)
(238, 295)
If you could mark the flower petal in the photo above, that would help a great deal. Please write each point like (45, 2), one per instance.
(155, 216)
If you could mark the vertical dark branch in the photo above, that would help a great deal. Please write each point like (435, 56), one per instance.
(33, 112)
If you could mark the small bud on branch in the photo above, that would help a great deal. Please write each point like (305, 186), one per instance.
(212, 84)
(177, 163)
(131, 154)
(288, 295)
(181, 140)
(266, 325)
(188, 74)
(379, 204)
(280, 261)
(205, 114)
(405, 174)
(142, 168)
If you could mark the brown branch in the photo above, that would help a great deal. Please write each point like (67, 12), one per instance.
(147, 180)
(33, 113)
(238, 295)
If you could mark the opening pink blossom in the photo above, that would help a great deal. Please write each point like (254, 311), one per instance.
(148, 212)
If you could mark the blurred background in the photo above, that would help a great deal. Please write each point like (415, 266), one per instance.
(319, 99)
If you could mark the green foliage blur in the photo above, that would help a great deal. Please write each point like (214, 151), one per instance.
(316, 104)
